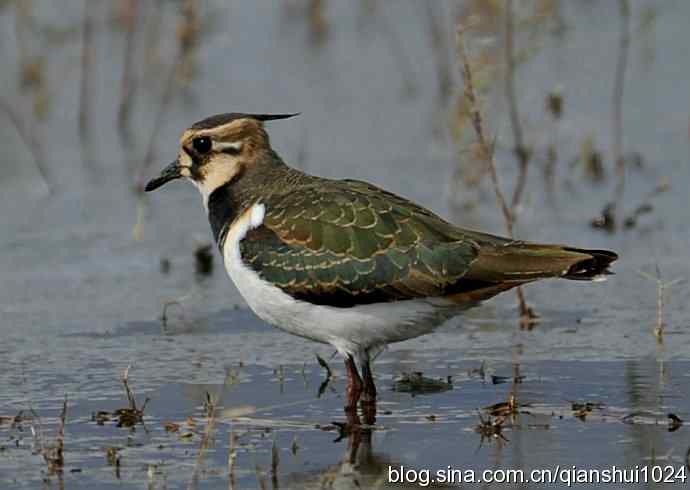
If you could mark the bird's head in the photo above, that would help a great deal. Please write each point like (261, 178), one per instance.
(217, 150)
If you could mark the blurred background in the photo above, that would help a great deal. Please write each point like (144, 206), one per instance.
(584, 119)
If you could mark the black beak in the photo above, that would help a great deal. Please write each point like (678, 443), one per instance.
(171, 172)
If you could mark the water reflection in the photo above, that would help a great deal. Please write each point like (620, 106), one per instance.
(360, 465)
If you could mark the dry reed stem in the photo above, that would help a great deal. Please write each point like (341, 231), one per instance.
(521, 152)
(232, 458)
(515, 382)
(211, 417)
(527, 315)
(53, 455)
(125, 382)
(661, 287)
(211, 403)
(134, 414)
(486, 149)
(618, 92)
(60, 449)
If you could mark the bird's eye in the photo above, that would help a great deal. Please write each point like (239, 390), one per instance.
(202, 145)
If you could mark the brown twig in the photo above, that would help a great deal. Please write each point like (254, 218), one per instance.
(128, 417)
(486, 149)
(54, 455)
(232, 457)
(130, 395)
(522, 153)
(661, 287)
(618, 91)
(517, 377)
(211, 417)
(211, 404)
(60, 448)
(527, 315)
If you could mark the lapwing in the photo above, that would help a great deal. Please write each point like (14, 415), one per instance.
(344, 262)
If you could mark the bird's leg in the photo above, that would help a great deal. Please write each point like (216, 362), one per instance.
(354, 385)
(354, 433)
(369, 413)
(369, 395)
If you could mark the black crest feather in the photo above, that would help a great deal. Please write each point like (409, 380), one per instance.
(220, 119)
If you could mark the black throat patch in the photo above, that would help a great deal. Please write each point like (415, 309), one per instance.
(223, 208)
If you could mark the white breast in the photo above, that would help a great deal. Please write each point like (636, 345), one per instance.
(349, 330)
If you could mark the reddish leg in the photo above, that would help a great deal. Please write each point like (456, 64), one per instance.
(369, 395)
(354, 385)
(353, 428)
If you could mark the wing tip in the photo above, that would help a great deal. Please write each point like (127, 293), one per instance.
(594, 268)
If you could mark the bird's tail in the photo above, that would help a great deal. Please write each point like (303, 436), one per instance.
(518, 262)
(593, 266)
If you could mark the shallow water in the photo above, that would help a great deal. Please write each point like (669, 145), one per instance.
(81, 300)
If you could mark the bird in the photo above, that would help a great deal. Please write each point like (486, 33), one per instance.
(344, 262)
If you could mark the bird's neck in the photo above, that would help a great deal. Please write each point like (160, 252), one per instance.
(227, 202)
(223, 207)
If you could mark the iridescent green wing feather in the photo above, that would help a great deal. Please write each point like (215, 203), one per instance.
(344, 243)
